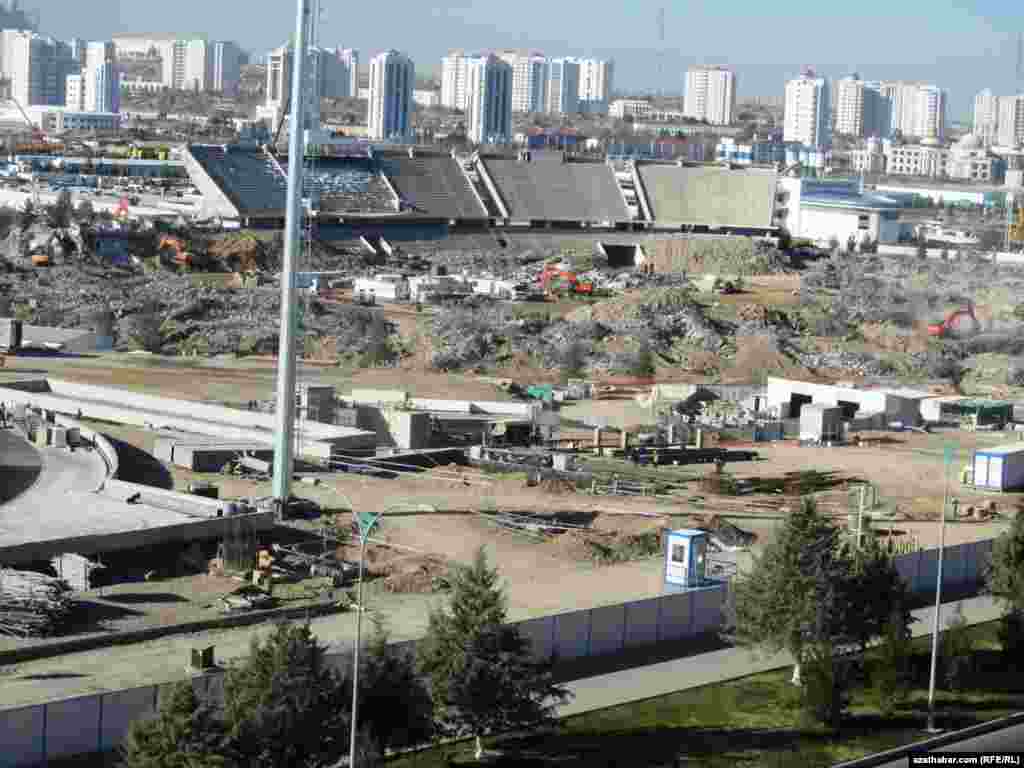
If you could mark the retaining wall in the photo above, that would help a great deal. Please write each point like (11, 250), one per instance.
(97, 722)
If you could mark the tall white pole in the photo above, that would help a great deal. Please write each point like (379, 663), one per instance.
(293, 222)
(938, 606)
(355, 653)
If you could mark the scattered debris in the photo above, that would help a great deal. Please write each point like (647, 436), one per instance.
(33, 604)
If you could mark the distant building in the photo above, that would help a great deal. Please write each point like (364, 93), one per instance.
(849, 107)
(808, 111)
(36, 67)
(633, 107)
(710, 94)
(453, 80)
(563, 87)
(349, 57)
(392, 76)
(966, 160)
(228, 60)
(986, 116)
(917, 109)
(74, 93)
(767, 152)
(529, 80)
(595, 85)
(1011, 121)
(100, 78)
(489, 100)
(426, 98)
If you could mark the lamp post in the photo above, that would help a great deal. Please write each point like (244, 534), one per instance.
(367, 522)
(948, 455)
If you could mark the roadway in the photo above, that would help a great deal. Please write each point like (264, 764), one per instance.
(150, 205)
(1007, 740)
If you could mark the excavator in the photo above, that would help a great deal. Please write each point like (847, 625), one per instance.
(959, 323)
(176, 250)
(554, 278)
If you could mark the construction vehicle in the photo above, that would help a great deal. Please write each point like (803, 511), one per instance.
(554, 279)
(176, 251)
(959, 323)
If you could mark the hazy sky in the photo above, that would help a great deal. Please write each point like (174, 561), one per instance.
(961, 46)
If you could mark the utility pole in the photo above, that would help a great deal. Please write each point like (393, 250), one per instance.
(947, 461)
(293, 221)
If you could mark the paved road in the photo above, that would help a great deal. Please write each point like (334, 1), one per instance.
(1006, 740)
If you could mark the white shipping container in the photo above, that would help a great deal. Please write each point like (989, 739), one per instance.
(1000, 468)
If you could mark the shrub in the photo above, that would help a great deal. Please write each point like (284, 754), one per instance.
(825, 695)
(957, 650)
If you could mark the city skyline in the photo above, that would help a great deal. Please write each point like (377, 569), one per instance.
(964, 50)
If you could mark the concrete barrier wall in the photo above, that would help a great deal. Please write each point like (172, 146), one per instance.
(101, 721)
(103, 446)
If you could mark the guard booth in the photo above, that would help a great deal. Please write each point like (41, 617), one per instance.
(686, 560)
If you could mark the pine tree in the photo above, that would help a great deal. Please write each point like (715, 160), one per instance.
(395, 706)
(185, 734)
(891, 676)
(874, 594)
(794, 595)
(283, 706)
(1006, 584)
(482, 675)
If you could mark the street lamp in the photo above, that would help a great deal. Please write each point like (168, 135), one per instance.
(367, 521)
(949, 453)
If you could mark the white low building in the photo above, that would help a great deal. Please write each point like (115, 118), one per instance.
(821, 210)
(383, 287)
(788, 396)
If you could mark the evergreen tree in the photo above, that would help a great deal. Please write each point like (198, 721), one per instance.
(793, 596)
(395, 707)
(185, 734)
(283, 706)
(1006, 584)
(875, 595)
(482, 675)
(891, 676)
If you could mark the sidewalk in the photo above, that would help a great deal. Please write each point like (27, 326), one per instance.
(637, 684)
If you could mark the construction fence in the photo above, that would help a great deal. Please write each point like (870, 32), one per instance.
(32, 735)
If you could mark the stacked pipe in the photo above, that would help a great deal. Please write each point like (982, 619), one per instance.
(33, 604)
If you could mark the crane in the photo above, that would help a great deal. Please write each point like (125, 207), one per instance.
(37, 134)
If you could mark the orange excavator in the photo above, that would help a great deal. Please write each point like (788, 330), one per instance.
(554, 278)
(958, 324)
(177, 251)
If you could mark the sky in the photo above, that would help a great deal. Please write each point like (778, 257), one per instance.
(960, 46)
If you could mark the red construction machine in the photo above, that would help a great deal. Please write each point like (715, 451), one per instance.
(960, 323)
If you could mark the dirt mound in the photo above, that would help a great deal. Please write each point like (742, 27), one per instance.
(634, 305)
(607, 547)
(556, 486)
(758, 355)
(416, 574)
(240, 253)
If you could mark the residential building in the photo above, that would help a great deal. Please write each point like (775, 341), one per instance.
(349, 57)
(595, 85)
(808, 111)
(279, 77)
(74, 93)
(986, 116)
(1011, 121)
(192, 68)
(453, 80)
(563, 87)
(392, 76)
(76, 46)
(877, 112)
(917, 109)
(101, 89)
(529, 80)
(849, 107)
(35, 66)
(226, 67)
(710, 94)
(426, 98)
(633, 107)
(489, 100)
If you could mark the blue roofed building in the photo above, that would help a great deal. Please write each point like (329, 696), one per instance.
(819, 210)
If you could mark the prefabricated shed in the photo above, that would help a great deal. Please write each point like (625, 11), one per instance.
(1000, 468)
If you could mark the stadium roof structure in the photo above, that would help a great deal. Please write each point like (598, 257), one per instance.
(708, 195)
(548, 186)
(236, 181)
(431, 185)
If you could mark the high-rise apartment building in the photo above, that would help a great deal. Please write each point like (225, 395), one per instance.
(918, 109)
(349, 58)
(808, 110)
(453, 80)
(849, 107)
(986, 116)
(192, 65)
(101, 85)
(489, 100)
(595, 85)
(710, 94)
(563, 90)
(392, 77)
(279, 77)
(76, 48)
(227, 60)
(877, 111)
(74, 93)
(35, 66)
(529, 79)
(1011, 121)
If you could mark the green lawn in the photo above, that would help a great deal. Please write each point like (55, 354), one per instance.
(751, 722)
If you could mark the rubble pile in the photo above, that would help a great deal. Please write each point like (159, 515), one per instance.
(33, 604)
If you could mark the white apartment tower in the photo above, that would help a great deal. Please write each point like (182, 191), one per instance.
(849, 107)
(808, 112)
(101, 85)
(74, 93)
(226, 67)
(986, 117)
(453, 80)
(1011, 121)
(595, 85)
(529, 80)
(392, 77)
(349, 58)
(36, 67)
(918, 109)
(710, 94)
(489, 100)
(279, 77)
(563, 87)
(191, 65)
